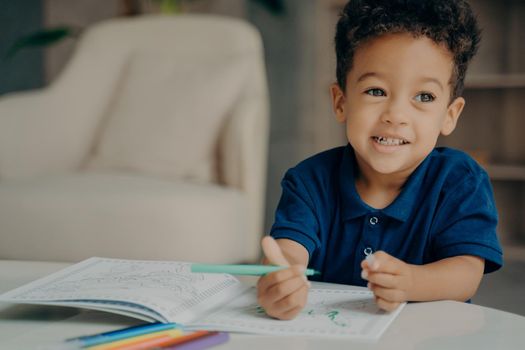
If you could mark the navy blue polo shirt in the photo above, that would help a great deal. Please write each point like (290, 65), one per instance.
(446, 208)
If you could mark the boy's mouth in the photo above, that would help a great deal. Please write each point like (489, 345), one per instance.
(389, 141)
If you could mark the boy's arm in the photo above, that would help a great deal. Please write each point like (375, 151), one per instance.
(283, 294)
(294, 253)
(455, 278)
(394, 281)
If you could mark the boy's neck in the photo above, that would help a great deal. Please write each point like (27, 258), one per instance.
(376, 195)
(378, 190)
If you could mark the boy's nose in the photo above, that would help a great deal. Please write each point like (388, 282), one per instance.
(395, 113)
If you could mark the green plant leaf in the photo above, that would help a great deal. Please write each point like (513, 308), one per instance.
(40, 38)
(274, 6)
(169, 6)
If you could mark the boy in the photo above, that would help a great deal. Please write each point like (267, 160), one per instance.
(425, 215)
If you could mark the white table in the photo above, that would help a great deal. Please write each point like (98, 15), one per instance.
(436, 325)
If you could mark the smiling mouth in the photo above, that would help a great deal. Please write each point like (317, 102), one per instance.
(389, 141)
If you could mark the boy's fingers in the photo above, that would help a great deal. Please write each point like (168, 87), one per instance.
(372, 262)
(277, 277)
(293, 300)
(282, 290)
(385, 280)
(273, 278)
(392, 295)
(273, 252)
(382, 262)
(386, 305)
(290, 314)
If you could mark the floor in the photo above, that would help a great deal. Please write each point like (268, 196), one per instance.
(505, 289)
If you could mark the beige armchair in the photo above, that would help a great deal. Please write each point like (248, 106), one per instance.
(151, 144)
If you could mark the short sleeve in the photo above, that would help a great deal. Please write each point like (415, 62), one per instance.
(295, 217)
(466, 222)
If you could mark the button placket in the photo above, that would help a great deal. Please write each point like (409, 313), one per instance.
(370, 239)
(372, 234)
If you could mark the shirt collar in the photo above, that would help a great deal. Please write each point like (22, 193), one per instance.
(352, 204)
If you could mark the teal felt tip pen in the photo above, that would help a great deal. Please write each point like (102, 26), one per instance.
(252, 270)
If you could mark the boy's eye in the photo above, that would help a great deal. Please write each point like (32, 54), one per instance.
(425, 97)
(375, 92)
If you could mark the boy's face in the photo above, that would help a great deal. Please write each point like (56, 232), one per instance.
(396, 102)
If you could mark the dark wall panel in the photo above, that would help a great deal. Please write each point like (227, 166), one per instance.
(24, 70)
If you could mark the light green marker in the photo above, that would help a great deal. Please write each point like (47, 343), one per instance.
(252, 270)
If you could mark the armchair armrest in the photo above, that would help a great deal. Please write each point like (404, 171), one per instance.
(30, 135)
(52, 130)
(244, 150)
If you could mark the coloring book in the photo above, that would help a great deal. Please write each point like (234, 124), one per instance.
(166, 291)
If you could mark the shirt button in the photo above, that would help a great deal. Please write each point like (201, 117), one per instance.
(368, 251)
(373, 220)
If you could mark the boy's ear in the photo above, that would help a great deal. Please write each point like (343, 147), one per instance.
(338, 101)
(453, 112)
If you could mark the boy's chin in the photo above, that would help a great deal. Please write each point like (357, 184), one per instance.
(392, 168)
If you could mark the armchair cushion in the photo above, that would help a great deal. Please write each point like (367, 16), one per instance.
(167, 116)
(121, 215)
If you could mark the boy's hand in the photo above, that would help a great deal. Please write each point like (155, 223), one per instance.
(283, 293)
(389, 278)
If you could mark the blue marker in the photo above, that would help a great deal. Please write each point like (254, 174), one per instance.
(107, 337)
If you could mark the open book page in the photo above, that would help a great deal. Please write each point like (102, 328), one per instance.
(161, 290)
(121, 308)
(168, 292)
(329, 312)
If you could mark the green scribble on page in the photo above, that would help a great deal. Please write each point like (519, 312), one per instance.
(310, 312)
(332, 315)
(259, 310)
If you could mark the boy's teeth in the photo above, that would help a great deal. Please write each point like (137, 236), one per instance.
(389, 141)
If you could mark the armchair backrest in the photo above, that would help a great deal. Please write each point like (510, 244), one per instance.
(218, 134)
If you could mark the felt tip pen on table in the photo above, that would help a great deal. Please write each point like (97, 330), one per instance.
(119, 334)
(205, 342)
(253, 270)
(145, 341)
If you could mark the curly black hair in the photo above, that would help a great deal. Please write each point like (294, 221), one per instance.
(450, 23)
